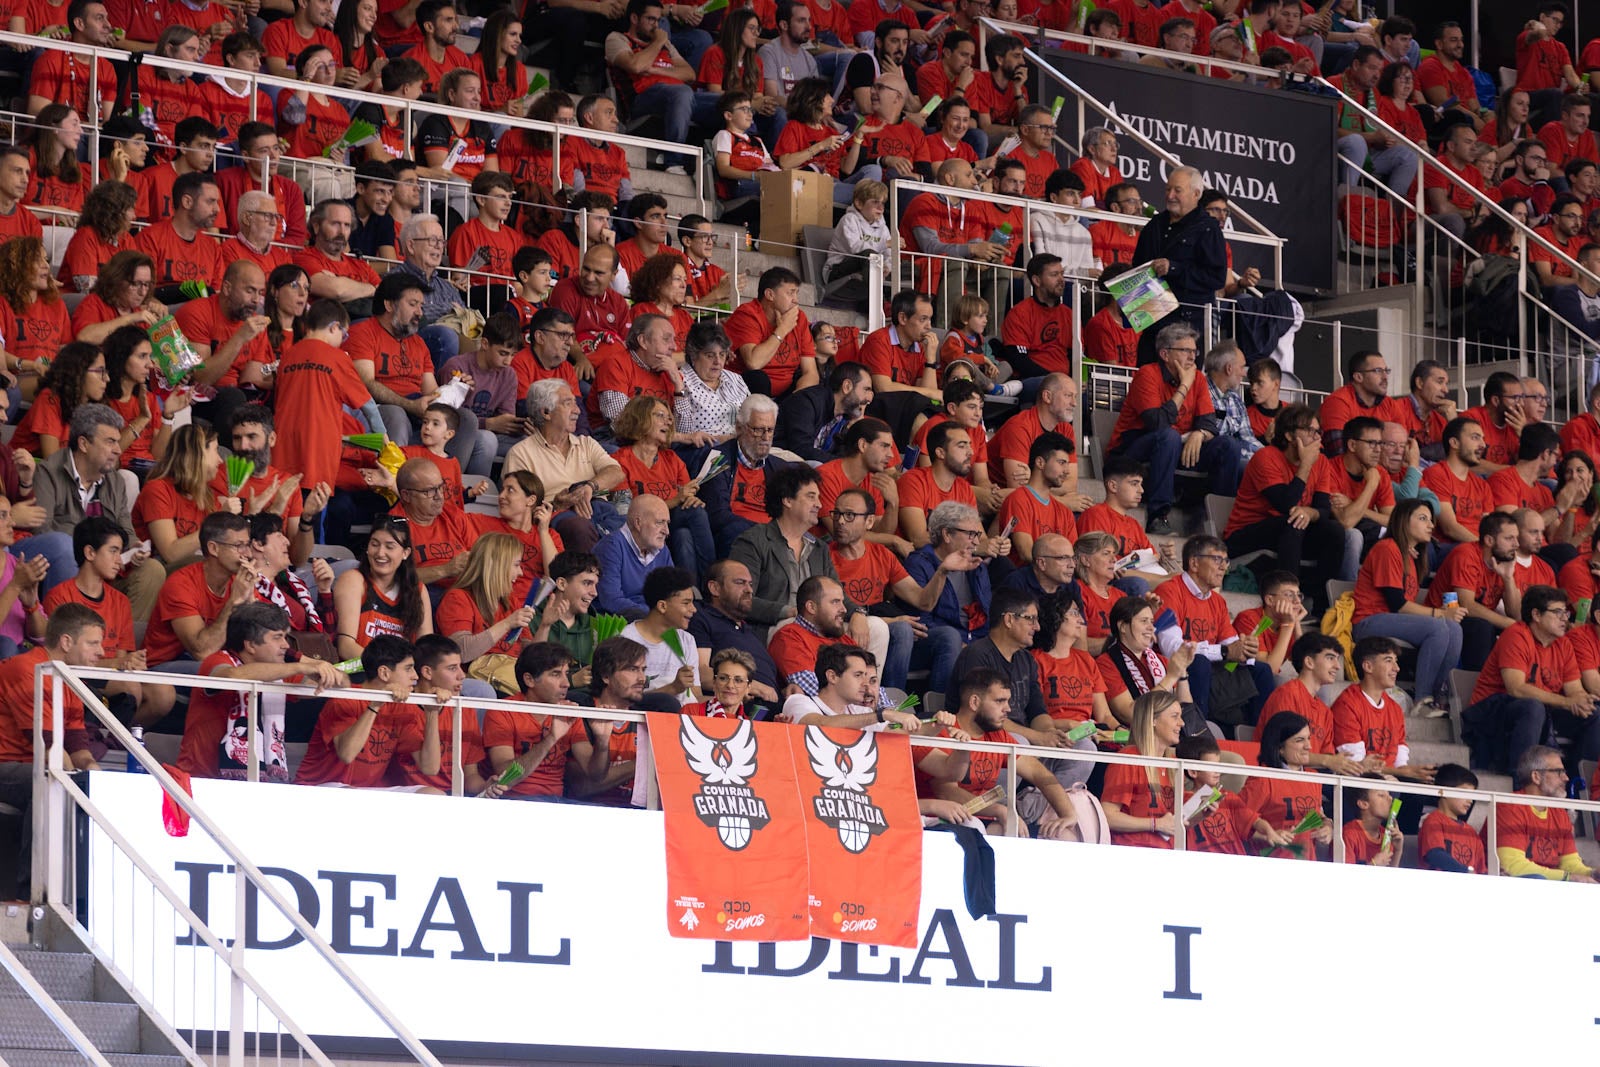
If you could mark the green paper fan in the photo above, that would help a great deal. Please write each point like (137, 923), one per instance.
(371, 441)
(240, 470)
(675, 643)
(607, 626)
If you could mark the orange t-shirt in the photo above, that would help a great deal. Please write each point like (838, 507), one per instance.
(204, 322)
(867, 580)
(1464, 844)
(39, 331)
(521, 733)
(160, 499)
(397, 364)
(1069, 684)
(1128, 787)
(184, 595)
(1035, 518)
(1294, 696)
(1150, 389)
(396, 729)
(662, 478)
(112, 607)
(314, 382)
(1383, 569)
(178, 260)
(1379, 728)
(16, 710)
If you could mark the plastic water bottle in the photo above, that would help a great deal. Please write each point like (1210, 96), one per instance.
(134, 766)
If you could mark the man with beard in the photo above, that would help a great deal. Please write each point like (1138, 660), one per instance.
(1035, 510)
(397, 369)
(334, 273)
(178, 245)
(1053, 411)
(272, 489)
(1039, 329)
(1482, 576)
(820, 617)
(256, 229)
(227, 330)
(811, 419)
(948, 476)
(870, 573)
(1464, 497)
(437, 51)
(619, 683)
(736, 498)
(722, 622)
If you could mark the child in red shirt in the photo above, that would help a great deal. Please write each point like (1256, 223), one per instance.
(1371, 837)
(356, 742)
(1445, 841)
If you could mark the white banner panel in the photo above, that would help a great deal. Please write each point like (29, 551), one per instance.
(530, 928)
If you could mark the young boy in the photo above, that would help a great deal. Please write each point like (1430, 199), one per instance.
(709, 284)
(531, 267)
(1222, 827)
(486, 243)
(860, 233)
(739, 154)
(493, 397)
(1124, 480)
(1367, 721)
(1320, 661)
(440, 672)
(440, 422)
(1264, 380)
(1445, 841)
(98, 544)
(1371, 837)
(1282, 607)
(356, 742)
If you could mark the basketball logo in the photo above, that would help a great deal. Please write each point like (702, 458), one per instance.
(724, 800)
(846, 772)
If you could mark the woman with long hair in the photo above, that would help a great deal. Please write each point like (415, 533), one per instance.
(78, 376)
(661, 287)
(1510, 126)
(1493, 236)
(650, 466)
(1388, 603)
(59, 182)
(309, 119)
(1281, 803)
(180, 493)
(121, 297)
(34, 322)
(383, 595)
(480, 613)
(146, 419)
(363, 59)
(498, 63)
(525, 515)
(528, 155)
(288, 296)
(812, 140)
(1097, 554)
(733, 64)
(1139, 801)
(1073, 687)
(310, 609)
(1577, 527)
(1395, 87)
(170, 95)
(1130, 664)
(107, 218)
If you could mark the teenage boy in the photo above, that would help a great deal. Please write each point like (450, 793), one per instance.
(355, 742)
(1283, 609)
(1445, 841)
(1320, 661)
(1368, 721)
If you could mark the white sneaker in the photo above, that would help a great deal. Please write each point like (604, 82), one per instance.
(679, 169)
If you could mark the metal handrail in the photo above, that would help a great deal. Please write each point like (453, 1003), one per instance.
(1042, 33)
(245, 868)
(53, 1010)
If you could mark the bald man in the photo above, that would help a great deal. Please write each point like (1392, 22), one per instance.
(631, 553)
(947, 226)
(1184, 245)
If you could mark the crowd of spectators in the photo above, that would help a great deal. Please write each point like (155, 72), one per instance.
(792, 519)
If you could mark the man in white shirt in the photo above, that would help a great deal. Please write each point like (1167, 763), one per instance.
(844, 675)
(673, 671)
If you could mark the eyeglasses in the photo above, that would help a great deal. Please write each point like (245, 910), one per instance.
(760, 431)
(1191, 351)
(1568, 215)
(1221, 561)
(850, 516)
(1369, 442)
(1050, 559)
(728, 679)
(1034, 618)
(434, 491)
(237, 546)
(1560, 613)
(568, 336)
(1551, 770)
(967, 533)
(1374, 370)
(429, 240)
(99, 372)
(1312, 431)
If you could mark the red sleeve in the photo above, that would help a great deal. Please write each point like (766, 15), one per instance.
(874, 354)
(1388, 571)
(457, 614)
(1018, 327)
(1115, 686)
(1145, 391)
(1128, 787)
(744, 327)
(712, 66)
(1346, 718)
(499, 729)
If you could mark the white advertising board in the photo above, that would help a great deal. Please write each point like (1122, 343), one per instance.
(531, 930)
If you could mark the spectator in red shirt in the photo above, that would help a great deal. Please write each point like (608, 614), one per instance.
(1444, 76)
(1368, 723)
(1371, 838)
(1481, 575)
(660, 76)
(1501, 417)
(1544, 66)
(1195, 598)
(903, 357)
(178, 245)
(1537, 842)
(1570, 138)
(1463, 495)
(1531, 686)
(1167, 421)
(1141, 806)
(1114, 242)
(359, 743)
(63, 77)
(1428, 410)
(1529, 178)
(1566, 232)
(285, 39)
(1097, 166)
(260, 152)
(1039, 330)
(947, 476)
(191, 614)
(1034, 510)
(334, 273)
(1445, 841)
(772, 337)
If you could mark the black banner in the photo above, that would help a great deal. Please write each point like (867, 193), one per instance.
(1270, 150)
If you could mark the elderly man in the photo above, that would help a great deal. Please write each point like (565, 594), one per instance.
(1535, 842)
(575, 470)
(647, 368)
(441, 536)
(1185, 247)
(1167, 421)
(1428, 410)
(1225, 371)
(963, 603)
(1050, 572)
(422, 252)
(629, 554)
(257, 227)
(335, 274)
(229, 334)
(1195, 597)
(736, 498)
(1402, 458)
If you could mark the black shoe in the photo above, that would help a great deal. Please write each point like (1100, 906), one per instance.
(1159, 526)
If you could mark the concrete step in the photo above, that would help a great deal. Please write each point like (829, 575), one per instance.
(659, 181)
(64, 975)
(111, 1027)
(1419, 730)
(19, 1057)
(1437, 752)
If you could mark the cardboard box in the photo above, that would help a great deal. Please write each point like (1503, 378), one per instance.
(791, 200)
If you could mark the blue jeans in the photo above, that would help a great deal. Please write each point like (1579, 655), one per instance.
(443, 344)
(844, 190)
(1500, 728)
(691, 43)
(1438, 644)
(692, 545)
(679, 106)
(935, 654)
(1396, 167)
(1161, 450)
(56, 548)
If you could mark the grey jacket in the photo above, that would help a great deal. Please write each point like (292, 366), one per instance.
(55, 489)
(764, 551)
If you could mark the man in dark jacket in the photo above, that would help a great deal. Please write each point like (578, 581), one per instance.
(1186, 248)
(811, 419)
(736, 497)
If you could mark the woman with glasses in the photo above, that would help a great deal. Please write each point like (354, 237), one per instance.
(180, 492)
(651, 468)
(1073, 687)
(77, 376)
(1132, 667)
(712, 394)
(1388, 603)
(383, 595)
(120, 297)
(731, 672)
(1097, 555)
(34, 322)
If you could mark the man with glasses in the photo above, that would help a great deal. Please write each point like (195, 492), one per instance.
(1403, 460)
(191, 615)
(1354, 488)
(258, 224)
(1365, 392)
(1167, 421)
(1114, 241)
(736, 497)
(1283, 607)
(1535, 842)
(1531, 688)
(1051, 571)
(1195, 598)
(441, 536)
(1037, 153)
(963, 605)
(1529, 178)
(1566, 231)
(1502, 417)
(870, 574)
(259, 151)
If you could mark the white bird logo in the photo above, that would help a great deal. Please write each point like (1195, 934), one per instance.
(730, 762)
(853, 767)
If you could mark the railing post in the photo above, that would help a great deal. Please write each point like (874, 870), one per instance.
(1338, 824)
(1180, 840)
(458, 708)
(236, 962)
(1461, 371)
(253, 726)
(1493, 851)
(875, 289)
(1522, 310)
(1011, 794)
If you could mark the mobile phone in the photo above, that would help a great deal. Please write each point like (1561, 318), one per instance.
(762, 713)
(908, 459)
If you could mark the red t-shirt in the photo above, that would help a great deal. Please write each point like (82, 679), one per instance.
(1015, 439)
(1107, 338)
(1432, 74)
(1464, 568)
(1069, 684)
(1281, 804)
(112, 607)
(16, 709)
(867, 580)
(1150, 389)
(1269, 467)
(1535, 572)
(523, 732)
(404, 771)
(183, 595)
(1036, 518)
(1543, 835)
(204, 322)
(1043, 333)
(1563, 148)
(1141, 23)
(1113, 244)
(1464, 844)
(314, 382)
(1539, 63)
(1203, 620)
(1128, 787)
(1294, 696)
(884, 355)
(1503, 441)
(1097, 609)
(1359, 847)
(1129, 533)
(283, 41)
(794, 648)
(440, 541)
(748, 498)
(458, 613)
(1204, 23)
(65, 77)
(662, 478)
(160, 499)
(623, 374)
(397, 364)
(1330, 476)
(39, 330)
(920, 492)
(1342, 405)
(1380, 729)
(178, 260)
(1507, 487)
(1581, 433)
(1537, 253)
(1384, 569)
(1246, 622)
(396, 729)
(1549, 667)
(1039, 168)
(1469, 497)
(496, 248)
(836, 481)
(603, 318)
(976, 434)
(748, 325)
(314, 261)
